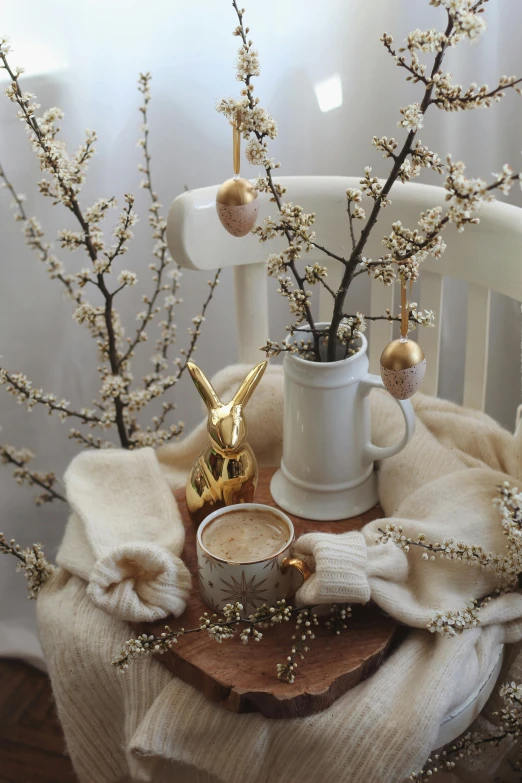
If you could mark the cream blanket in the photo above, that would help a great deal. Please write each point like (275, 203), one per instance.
(152, 727)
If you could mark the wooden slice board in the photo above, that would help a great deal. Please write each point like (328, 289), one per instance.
(243, 678)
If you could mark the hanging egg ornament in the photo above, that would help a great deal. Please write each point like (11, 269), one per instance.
(403, 365)
(237, 206)
(236, 200)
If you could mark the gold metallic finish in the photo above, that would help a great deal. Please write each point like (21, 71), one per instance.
(405, 311)
(298, 564)
(236, 193)
(401, 355)
(225, 473)
(236, 142)
(236, 199)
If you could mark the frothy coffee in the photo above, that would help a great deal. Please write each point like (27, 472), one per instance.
(245, 536)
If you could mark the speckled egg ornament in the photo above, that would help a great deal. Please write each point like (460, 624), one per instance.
(403, 363)
(236, 200)
(237, 206)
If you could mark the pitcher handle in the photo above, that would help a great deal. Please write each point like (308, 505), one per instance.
(373, 452)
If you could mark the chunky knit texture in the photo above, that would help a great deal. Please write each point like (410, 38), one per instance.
(150, 726)
(125, 535)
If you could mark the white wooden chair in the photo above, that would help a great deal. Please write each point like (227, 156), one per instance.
(487, 256)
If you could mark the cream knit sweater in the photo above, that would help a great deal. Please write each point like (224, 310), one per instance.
(149, 726)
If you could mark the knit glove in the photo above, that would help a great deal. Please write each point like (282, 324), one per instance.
(344, 567)
(125, 535)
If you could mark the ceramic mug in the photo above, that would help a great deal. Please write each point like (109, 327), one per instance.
(252, 583)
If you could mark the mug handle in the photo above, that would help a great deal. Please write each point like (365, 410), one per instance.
(372, 452)
(299, 565)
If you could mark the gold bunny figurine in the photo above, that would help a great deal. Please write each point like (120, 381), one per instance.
(226, 470)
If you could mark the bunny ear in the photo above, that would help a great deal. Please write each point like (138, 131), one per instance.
(245, 391)
(204, 386)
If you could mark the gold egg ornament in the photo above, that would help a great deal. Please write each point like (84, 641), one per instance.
(237, 206)
(236, 200)
(403, 363)
(403, 366)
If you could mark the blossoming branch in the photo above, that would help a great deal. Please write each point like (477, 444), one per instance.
(472, 743)
(31, 561)
(406, 248)
(121, 399)
(506, 566)
(222, 628)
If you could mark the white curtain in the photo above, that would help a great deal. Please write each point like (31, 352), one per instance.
(85, 57)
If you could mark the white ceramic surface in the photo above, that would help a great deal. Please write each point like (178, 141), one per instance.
(327, 469)
(252, 584)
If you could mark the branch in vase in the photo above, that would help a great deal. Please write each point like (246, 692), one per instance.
(450, 97)
(262, 125)
(407, 162)
(20, 459)
(390, 318)
(329, 253)
(380, 193)
(89, 440)
(303, 348)
(415, 68)
(316, 274)
(354, 196)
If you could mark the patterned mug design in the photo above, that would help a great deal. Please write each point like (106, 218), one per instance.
(251, 584)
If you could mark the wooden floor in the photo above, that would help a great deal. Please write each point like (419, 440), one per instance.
(32, 748)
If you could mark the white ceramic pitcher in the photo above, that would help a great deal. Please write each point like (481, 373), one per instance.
(327, 469)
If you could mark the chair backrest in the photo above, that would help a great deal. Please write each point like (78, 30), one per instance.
(487, 256)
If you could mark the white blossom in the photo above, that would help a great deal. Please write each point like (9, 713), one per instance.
(256, 152)
(412, 117)
(127, 278)
(247, 63)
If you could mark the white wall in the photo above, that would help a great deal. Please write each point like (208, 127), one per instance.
(86, 56)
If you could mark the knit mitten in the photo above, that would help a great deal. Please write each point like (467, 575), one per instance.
(347, 567)
(340, 568)
(125, 535)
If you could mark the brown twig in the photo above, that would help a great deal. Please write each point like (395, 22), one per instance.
(187, 354)
(43, 399)
(291, 265)
(350, 221)
(480, 97)
(71, 202)
(357, 251)
(8, 456)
